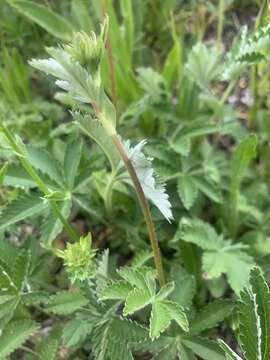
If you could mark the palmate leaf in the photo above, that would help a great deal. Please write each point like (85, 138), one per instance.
(14, 335)
(220, 256)
(138, 289)
(228, 261)
(153, 84)
(194, 179)
(27, 205)
(203, 65)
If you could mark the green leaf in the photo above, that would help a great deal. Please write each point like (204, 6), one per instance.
(134, 276)
(245, 152)
(203, 65)
(102, 269)
(75, 331)
(208, 188)
(141, 257)
(106, 339)
(219, 256)
(72, 161)
(17, 177)
(211, 315)
(43, 161)
(177, 314)
(8, 304)
(204, 348)
(52, 226)
(48, 349)
(14, 335)
(35, 297)
(185, 286)
(142, 292)
(80, 14)
(94, 130)
(3, 172)
(117, 290)
(20, 269)
(246, 50)
(165, 291)
(66, 302)
(21, 208)
(6, 283)
(261, 289)
(254, 318)
(137, 299)
(200, 233)
(228, 261)
(160, 319)
(50, 21)
(187, 190)
(230, 354)
(163, 312)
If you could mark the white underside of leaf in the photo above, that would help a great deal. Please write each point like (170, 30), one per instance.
(143, 167)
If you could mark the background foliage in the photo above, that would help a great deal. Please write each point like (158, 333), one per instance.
(191, 77)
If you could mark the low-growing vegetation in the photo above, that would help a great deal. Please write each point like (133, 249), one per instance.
(135, 174)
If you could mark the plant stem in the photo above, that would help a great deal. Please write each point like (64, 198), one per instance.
(145, 208)
(30, 351)
(140, 195)
(224, 97)
(40, 184)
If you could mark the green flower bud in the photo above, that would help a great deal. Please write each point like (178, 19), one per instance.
(79, 259)
(87, 49)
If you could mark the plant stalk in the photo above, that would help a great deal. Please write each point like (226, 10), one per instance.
(145, 208)
(40, 184)
(141, 198)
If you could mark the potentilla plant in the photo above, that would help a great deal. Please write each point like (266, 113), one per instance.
(77, 69)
